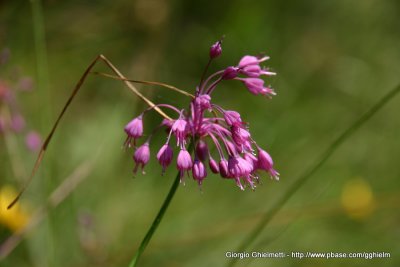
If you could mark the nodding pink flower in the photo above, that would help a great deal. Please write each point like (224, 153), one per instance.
(240, 135)
(248, 60)
(251, 60)
(184, 162)
(134, 130)
(213, 166)
(215, 50)
(249, 66)
(201, 150)
(239, 167)
(255, 71)
(255, 85)
(199, 171)
(232, 118)
(230, 73)
(250, 158)
(265, 163)
(179, 128)
(141, 156)
(206, 123)
(164, 156)
(33, 141)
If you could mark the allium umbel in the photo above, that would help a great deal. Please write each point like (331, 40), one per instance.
(205, 123)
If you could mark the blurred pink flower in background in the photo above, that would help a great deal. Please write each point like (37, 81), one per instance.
(33, 141)
(12, 120)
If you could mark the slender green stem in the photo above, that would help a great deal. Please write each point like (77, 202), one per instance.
(308, 173)
(42, 68)
(159, 216)
(43, 96)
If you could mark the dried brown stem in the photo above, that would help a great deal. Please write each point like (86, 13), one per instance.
(146, 82)
(72, 96)
(133, 89)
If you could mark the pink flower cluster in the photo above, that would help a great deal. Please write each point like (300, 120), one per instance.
(204, 123)
(11, 118)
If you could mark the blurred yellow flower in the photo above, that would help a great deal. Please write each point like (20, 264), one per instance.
(15, 218)
(357, 199)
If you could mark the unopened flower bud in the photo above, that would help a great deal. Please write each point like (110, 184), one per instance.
(214, 166)
(215, 50)
(223, 168)
(199, 171)
(202, 150)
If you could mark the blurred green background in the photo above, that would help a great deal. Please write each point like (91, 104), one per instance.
(334, 60)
